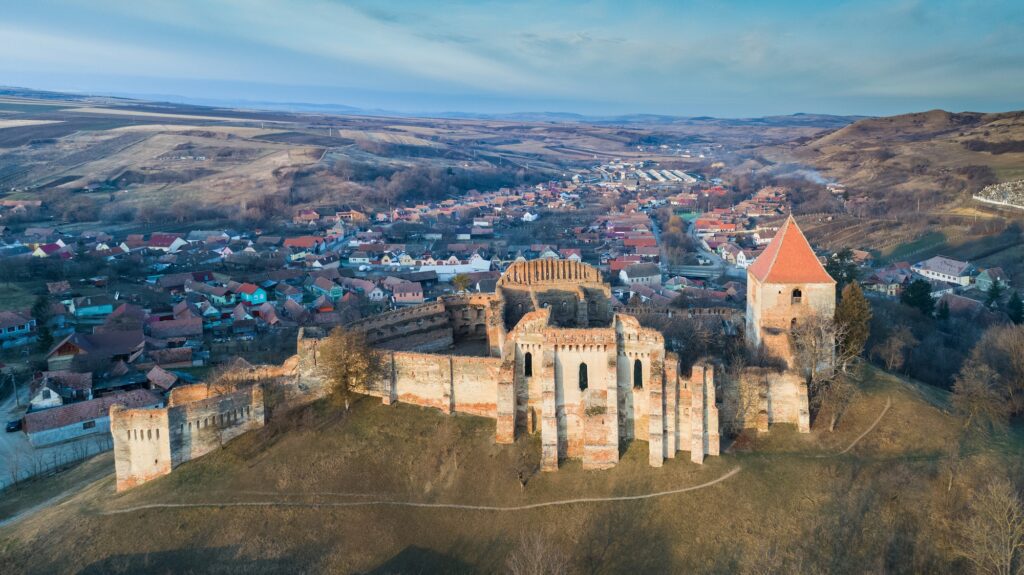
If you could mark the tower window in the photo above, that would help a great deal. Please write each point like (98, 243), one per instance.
(797, 296)
(583, 376)
(528, 364)
(638, 374)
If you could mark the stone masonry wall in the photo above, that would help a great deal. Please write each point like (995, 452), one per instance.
(149, 443)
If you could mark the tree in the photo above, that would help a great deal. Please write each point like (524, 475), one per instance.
(853, 316)
(992, 537)
(843, 268)
(461, 282)
(42, 314)
(892, 350)
(1015, 308)
(995, 291)
(814, 344)
(942, 314)
(1001, 348)
(977, 397)
(535, 555)
(918, 295)
(350, 364)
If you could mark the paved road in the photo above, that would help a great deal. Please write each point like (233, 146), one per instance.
(17, 455)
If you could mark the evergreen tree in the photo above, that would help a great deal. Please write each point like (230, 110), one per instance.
(943, 312)
(853, 319)
(993, 294)
(42, 314)
(842, 267)
(1015, 308)
(919, 295)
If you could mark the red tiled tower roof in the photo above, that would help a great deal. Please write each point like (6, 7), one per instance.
(789, 259)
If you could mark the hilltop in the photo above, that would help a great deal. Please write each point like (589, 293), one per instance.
(295, 495)
(938, 157)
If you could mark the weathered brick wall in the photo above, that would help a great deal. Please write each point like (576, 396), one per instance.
(763, 397)
(149, 443)
(200, 427)
(771, 312)
(445, 382)
(141, 445)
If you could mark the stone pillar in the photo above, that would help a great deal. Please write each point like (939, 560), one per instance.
(656, 410)
(764, 396)
(804, 409)
(601, 430)
(697, 414)
(712, 437)
(549, 415)
(582, 319)
(671, 385)
(506, 404)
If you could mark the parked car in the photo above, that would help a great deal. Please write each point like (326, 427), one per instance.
(14, 425)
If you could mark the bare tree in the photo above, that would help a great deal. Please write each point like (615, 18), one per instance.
(830, 388)
(992, 537)
(978, 397)
(535, 555)
(351, 364)
(892, 351)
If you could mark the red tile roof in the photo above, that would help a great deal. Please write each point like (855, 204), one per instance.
(789, 259)
(75, 413)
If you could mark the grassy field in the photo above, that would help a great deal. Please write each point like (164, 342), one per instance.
(272, 499)
(18, 296)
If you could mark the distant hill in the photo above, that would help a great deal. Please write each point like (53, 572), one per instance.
(937, 157)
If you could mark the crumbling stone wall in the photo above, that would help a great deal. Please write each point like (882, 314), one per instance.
(149, 443)
(450, 383)
(762, 397)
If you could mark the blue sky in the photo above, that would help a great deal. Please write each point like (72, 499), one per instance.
(726, 59)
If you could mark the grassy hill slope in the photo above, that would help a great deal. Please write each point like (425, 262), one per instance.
(271, 500)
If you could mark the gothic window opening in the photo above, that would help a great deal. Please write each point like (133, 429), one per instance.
(638, 374)
(528, 365)
(797, 296)
(583, 376)
(792, 324)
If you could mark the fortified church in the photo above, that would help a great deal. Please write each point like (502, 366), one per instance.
(546, 353)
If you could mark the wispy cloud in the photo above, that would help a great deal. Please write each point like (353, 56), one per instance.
(681, 57)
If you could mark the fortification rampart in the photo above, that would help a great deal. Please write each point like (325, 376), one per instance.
(149, 443)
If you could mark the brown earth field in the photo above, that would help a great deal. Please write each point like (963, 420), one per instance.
(923, 162)
(324, 491)
(156, 153)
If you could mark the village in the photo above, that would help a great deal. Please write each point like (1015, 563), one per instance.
(123, 319)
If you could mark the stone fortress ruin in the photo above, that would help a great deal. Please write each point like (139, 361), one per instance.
(545, 353)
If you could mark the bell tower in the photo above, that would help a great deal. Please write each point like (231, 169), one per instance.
(786, 285)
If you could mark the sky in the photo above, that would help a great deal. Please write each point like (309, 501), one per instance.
(685, 58)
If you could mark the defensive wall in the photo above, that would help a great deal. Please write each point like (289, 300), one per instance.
(149, 443)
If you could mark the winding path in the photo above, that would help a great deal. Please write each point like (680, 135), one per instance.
(458, 506)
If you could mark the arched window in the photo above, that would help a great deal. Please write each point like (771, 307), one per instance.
(149, 434)
(583, 376)
(792, 324)
(638, 374)
(528, 364)
(797, 296)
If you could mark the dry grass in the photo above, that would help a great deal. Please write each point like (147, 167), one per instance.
(401, 452)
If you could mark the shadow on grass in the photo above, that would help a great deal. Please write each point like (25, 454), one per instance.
(205, 560)
(414, 559)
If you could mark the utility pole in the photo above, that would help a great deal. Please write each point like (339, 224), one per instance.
(14, 385)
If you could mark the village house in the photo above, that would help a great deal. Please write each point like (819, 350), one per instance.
(945, 269)
(645, 274)
(16, 329)
(990, 277)
(91, 308)
(75, 420)
(251, 294)
(407, 293)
